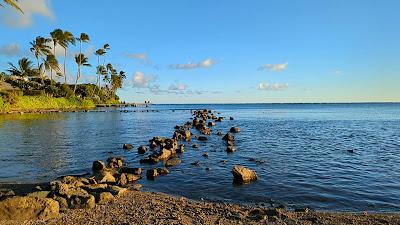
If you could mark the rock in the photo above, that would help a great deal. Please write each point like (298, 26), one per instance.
(197, 163)
(243, 175)
(230, 149)
(205, 155)
(135, 187)
(228, 137)
(162, 171)
(98, 165)
(151, 174)
(115, 190)
(181, 149)
(230, 143)
(150, 160)
(202, 138)
(235, 129)
(39, 194)
(81, 202)
(28, 208)
(115, 162)
(164, 154)
(122, 180)
(172, 162)
(62, 202)
(104, 197)
(219, 133)
(142, 149)
(195, 146)
(127, 146)
(5, 193)
(350, 151)
(135, 171)
(95, 188)
(105, 177)
(211, 124)
(231, 118)
(132, 178)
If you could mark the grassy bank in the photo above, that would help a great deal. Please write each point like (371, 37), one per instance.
(38, 103)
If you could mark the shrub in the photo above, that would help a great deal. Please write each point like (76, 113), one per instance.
(66, 91)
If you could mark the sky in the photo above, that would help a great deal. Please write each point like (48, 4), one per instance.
(224, 51)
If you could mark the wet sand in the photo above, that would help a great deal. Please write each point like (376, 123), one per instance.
(137, 207)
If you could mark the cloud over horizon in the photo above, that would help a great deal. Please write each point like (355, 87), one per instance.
(12, 18)
(263, 86)
(190, 65)
(274, 67)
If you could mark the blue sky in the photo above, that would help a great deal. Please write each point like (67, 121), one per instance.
(209, 51)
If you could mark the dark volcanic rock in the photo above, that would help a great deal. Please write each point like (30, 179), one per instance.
(142, 149)
(127, 146)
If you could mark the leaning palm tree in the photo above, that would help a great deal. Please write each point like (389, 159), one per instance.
(67, 38)
(12, 3)
(81, 60)
(23, 69)
(40, 48)
(82, 38)
(51, 64)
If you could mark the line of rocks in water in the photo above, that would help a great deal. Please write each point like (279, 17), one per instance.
(112, 178)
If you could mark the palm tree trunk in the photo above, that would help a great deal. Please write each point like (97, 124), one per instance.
(65, 58)
(77, 77)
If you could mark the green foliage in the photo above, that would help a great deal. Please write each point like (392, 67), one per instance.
(66, 91)
(45, 102)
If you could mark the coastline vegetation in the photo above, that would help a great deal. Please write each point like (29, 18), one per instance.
(36, 84)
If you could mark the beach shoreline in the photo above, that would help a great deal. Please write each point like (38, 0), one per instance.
(137, 207)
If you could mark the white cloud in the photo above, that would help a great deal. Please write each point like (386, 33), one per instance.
(272, 87)
(190, 65)
(140, 56)
(140, 80)
(10, 50)
(30, 8)
(274, 67)
(177, 87)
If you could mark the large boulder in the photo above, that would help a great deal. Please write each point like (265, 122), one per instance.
(5, 193)
(142, 149)
(105, 177)
(135, 171)
(115, 162)
(243, 175)
(228, 137)
(103, 197)
(151, 174)
(28, 208)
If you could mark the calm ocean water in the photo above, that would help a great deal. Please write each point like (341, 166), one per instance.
(304, 146)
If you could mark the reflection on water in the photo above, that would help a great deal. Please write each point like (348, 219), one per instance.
(304, 148)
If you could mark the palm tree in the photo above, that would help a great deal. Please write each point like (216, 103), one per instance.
(56, 36)
(12, 3)
(99, 52)
(51, 64)
(40, 48)
(66, 39)
(23, 69)
(81, 60)
(106, 47)
(82, 38)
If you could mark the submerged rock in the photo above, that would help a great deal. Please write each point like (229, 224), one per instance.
(162, 171)
(243, 175)
(127, 146)
(230, 148)
(228, 137)
(172, 162)
(142, 149)
(235, 129)
(151, 174)
(202, 138)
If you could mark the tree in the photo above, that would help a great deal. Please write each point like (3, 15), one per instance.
(51, 64)
(100, 52)
(40, 48)
(81, 60)
(82, 38)
(12, 3)
(66, 39)
(23, 69)
(56, 36)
